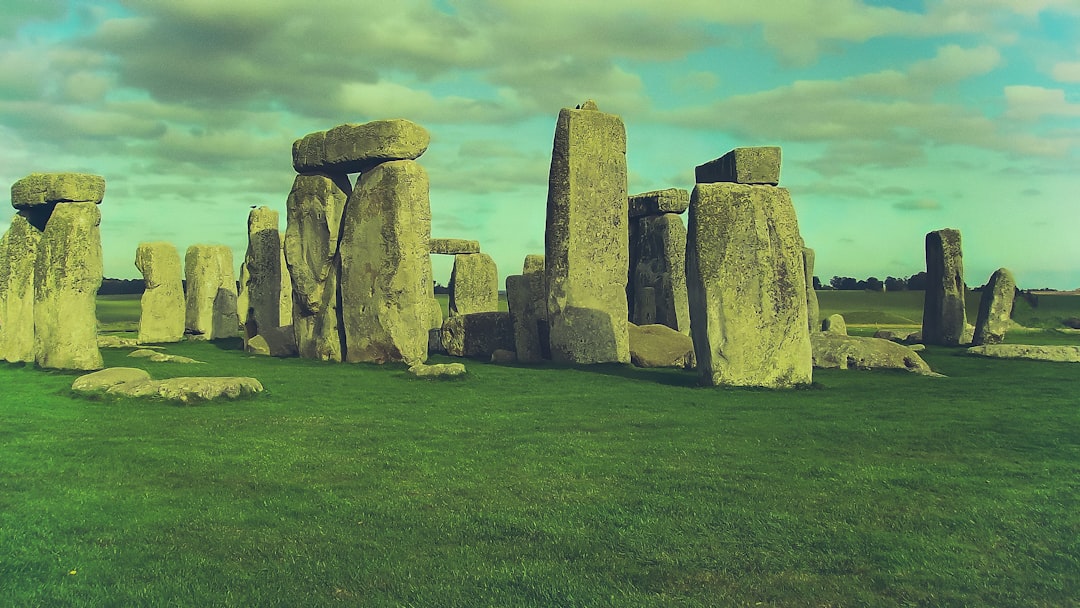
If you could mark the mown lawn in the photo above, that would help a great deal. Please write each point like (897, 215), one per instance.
(517, 486)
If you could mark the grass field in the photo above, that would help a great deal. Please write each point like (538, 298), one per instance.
(546, 486)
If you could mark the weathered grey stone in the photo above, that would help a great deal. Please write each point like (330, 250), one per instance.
(474, 284)
(243, 299)
(386, 265)
(263, 262)
(103, 380)
(1061, 354)
(852, 352)
(454, 246)
(503, 356)
(586, 239)
(657, 202)
(43, 189)
(211, 293)
(834, 324)
(159, 357)
(660, 346)
(659, 256)
(757, 165)
(190, 389)
(23, 239)
(944, 317)
(109, 341)
(5, 273)
(893, 335)
(67, 275)
(995, 308)
(813, 309)
(437, 370)
(274, 342)
(162, 303)
(526, 299)
(314, 209)
(746, 287)
(352, 148)
(478, 334)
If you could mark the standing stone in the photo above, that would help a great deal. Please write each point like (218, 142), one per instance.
(315, 208)
(813, 309)
(162, 303)
(243, 299)
(211, 293)
(23, 238)
(944, 317)
(660, 265)
(386, 265)
(474, 284)
(586, 239)
(67, 276)
(746, 287)
(5, 271)
(285, 299)
(835, 325)
(758, 165)
(263, 264)
(995, 308)
(526, 298)
(478, 334)
(645, 306)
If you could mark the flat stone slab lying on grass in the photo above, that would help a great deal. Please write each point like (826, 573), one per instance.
(116, 342)
(833, 351)
(1061, 354)
(437, 370)
(156, 357)
(133, 382)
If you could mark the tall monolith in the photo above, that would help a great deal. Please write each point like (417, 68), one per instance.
(211, 293)
(24, 238)
(944, 316)
(527, 303)
(264, 269)
(995, 308)
(162, 303)
(586, 240)
(813, 309)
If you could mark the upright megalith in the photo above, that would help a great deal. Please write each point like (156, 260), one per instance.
(995, 308)
(352, 148)
(526, 301)
(747, 287)
(386, 265)
(23, 241)
(5, 272)
(944, 317)
(813, 309)
(162, 303)
(474, 284)
(263, 263)
(67, 275)
(315, 207)
(586, 240)
(658, 274)
(211, 293)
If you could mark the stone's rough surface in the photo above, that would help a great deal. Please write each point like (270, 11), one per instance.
(5, 272)
(108, 341)
(478, 334)
(386, 265)
(156, 357)
(1061, 354)
(813, 310)
(103, 380)
(474, 284)
(746, 287)
(834, 324)
(191, 389)
(853, 352)
(526, 298)
(314, 209)
(657, 202)
(995, 308)
(49, 188)
(67, 276)
(211, 293)
(892, 335)
(659, 255)
(586, 241)
(243, 299)
(454, 246)
(944, 317)
(162, 303)
(439, 370)
(660, 346)
(759, 165)
(643, 310)
(23, 241)
(276, 342)
(352, 148)
(264, 268)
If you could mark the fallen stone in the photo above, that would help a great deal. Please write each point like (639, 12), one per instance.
(944, 317)
(438, 370)
(660, 346)
(833, 351)
(116, 342)
(757, 165)
(157, 357)
(103, 380)
(211, 293)
(1061, 354)
(659, 202)
(995, 308)
(162, 304)
(834, 324)
(474, 284)
(191, 389)
(454, 246)
(503, 356)
(893, 335)
(477, 335)
(353, 148)
(38, 189)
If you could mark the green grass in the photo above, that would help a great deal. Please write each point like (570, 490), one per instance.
(516, 486)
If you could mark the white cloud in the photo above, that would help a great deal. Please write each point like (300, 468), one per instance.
(1066, 72)
(1030, 103)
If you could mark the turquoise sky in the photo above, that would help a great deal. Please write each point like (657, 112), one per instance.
(895, 118)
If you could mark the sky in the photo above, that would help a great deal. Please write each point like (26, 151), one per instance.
(895, 118)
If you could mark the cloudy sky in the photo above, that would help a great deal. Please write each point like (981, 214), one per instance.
(895, 117)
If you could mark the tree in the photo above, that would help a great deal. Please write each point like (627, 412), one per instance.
(874, 284)
(895, 284)
(917, 282)
(817, 283)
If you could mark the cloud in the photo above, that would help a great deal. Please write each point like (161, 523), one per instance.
(923, 204)
(1067, 72)
(1030, 103)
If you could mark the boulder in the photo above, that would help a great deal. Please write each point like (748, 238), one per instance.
(386, 265)
(438, 370)
(834, 351)
(67, 275)
(1061, 354)
(813, 309)
(314, 210)
(944, 318)
(474, 284)
(159, 357)
(757, 165)
(659, 202)
(586, 239)
(478, 335)
(995, 308)
(834, 324)
(44, 189)
(353, 148)
(746, 287)
(660, 346)
(211, 293)
(658, 252)
(275, 342)
(105, 379)
(162, 303)
(454, 246)
(190, 389)
(23, 241)
(116, 342)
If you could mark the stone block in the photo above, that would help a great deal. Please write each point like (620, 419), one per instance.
(757, 165)
(474, 284)
(478, 335)
(352, 148)
(944, 316)
(211, 293)
(995, 308)
(41, 189)
(162, 304)
(657, 202)
(454, 246)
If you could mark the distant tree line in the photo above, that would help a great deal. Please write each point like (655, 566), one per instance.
(113, 287)
(916, 282)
